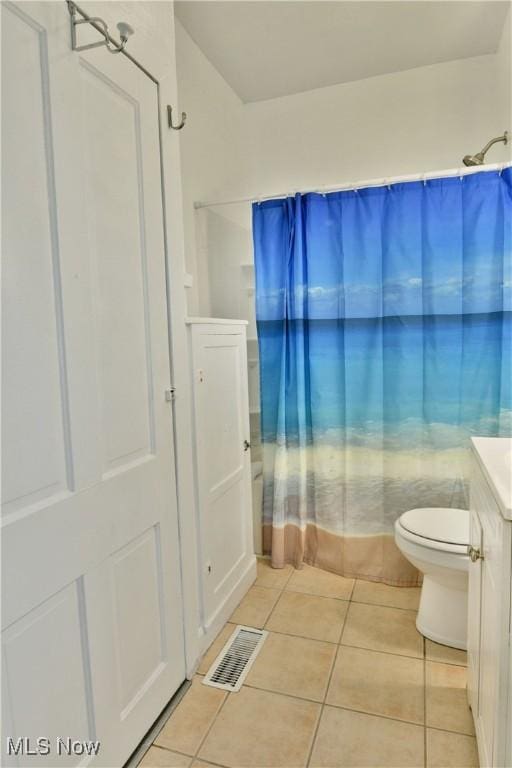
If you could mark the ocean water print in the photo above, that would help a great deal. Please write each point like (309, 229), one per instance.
(363, 378)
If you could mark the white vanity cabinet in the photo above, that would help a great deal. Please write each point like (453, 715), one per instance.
(222, 467)
(489, 600)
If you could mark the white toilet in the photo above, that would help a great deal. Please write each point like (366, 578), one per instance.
(436, 540)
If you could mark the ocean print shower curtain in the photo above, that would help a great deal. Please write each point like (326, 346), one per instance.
(384, 324)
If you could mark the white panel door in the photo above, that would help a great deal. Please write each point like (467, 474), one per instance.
(223, 458)
(92, 617)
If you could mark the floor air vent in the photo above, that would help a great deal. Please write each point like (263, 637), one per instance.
(231, 666)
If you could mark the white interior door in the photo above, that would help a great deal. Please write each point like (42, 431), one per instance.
(91, 620)
(223, 459)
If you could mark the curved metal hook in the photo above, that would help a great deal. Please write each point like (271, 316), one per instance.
(169, 119)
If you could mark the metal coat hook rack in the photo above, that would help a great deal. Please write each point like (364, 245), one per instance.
(169, 119)
(113, 46)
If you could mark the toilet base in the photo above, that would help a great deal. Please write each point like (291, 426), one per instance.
(443, 612)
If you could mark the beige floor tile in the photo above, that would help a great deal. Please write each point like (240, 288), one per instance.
(293, 665)
(446, 698)
(272, 577)
(256, 606)
(352, 740)
(202, 764)
(191, 719)
(383, 594)
(258, 728)
(378, 683)
(315, 581)
(215, 648)
(319, 618)
(451, 750)
(156, 757)
(382, 629)
(444, 654)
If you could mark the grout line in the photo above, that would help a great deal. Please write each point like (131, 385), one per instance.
(378, 650)
(349, 645)
(292, 571)
(313, 742)
(315, 733)
(281, 589)
(201, 743)
(444, 730)
(381, 605)
(317, 594)
(446, 663)
(301, 637)
(343, 626)
(348, 599)
(349, 709)
(273, 609)
(318, 702)
(332, 642)
(382, 717)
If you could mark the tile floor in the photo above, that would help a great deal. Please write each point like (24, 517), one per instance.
(343, 679)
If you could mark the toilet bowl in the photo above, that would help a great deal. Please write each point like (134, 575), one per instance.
(435, 540)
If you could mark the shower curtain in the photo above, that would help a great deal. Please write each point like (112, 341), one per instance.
(384, 324)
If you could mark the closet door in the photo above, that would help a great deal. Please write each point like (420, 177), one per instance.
(92, 618)
(223, 458)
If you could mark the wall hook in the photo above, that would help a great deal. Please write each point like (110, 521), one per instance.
(169, 119)
(113, 46)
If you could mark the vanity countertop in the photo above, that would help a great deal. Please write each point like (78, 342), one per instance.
(495, 457)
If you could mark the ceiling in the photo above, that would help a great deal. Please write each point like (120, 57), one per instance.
(270, 48)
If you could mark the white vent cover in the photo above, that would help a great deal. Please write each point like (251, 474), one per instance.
(231, 666)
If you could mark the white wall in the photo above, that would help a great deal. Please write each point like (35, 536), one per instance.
(213, 151)
(231, 274)
(503, 61)
(407, 122)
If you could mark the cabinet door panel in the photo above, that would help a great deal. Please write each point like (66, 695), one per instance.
(475, 587)
(224, 473)
(488, 617)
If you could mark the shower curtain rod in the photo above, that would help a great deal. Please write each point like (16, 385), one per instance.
(383, 182)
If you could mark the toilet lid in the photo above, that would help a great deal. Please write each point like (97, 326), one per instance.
(447, 525)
